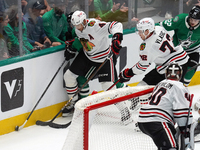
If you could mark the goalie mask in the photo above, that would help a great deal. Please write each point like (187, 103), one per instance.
(173, 72)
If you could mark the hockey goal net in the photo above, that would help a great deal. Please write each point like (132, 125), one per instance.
(96, 123)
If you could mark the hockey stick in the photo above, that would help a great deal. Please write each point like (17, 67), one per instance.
(191, 98)
(184, 136)
(17, 128)
(55, 125)
(113, 85)
(193, 67)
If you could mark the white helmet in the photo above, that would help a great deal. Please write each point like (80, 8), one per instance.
(197, 104)
(146, 24)
(78, 17)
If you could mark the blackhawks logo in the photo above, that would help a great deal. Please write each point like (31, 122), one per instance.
(88, 46)
(91, 23)
(142, 46)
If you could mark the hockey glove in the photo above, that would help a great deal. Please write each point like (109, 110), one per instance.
(69, 39)
(186, 135)
(116, 42)
(126, 75)
(69, 52)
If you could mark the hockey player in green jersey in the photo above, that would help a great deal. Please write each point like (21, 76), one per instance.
(187, 34)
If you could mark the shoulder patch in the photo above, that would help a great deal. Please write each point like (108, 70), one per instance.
(176, 19)
(91, 23)
(142, 46)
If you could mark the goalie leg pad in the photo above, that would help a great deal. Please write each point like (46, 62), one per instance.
(125, 113)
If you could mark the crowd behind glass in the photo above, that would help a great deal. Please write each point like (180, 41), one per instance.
(31, 25)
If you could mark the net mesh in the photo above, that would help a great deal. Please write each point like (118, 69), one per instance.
(106, 130)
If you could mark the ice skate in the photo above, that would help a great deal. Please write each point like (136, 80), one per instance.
(68, 110)
(137, 129)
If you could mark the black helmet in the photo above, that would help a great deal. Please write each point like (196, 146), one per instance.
(173, 71)
(195, 12)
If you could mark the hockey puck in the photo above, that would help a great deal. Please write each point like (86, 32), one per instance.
(17, 128)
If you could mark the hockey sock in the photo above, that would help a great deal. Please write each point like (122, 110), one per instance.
(84, 91)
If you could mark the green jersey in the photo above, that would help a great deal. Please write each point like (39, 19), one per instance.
(188, 39)
(55, 27)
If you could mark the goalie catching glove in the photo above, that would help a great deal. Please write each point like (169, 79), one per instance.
(126, 75)
(69, 52)
(186, 134)
(116, 42)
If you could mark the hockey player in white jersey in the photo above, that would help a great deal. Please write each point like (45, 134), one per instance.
(157, 47)
(168, 104)
(93, 35)
(197, 122)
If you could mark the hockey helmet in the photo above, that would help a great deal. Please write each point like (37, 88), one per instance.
(78, 17)
(197, 104)
(173, 71)
(146, 24)
(195, 12)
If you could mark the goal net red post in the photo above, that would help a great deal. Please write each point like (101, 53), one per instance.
(96, 123)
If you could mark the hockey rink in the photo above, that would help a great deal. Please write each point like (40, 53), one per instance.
(46, 138)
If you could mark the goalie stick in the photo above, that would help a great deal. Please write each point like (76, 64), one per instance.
(17, 128)
(55, 125)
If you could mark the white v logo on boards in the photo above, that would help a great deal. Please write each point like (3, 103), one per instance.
(10, 88)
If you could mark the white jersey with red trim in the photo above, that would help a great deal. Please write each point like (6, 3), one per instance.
(159, 48)
(94, 38)
(169, 102)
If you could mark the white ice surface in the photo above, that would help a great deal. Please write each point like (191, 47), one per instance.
(46, 138)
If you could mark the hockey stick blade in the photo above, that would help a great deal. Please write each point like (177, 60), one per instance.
(51, 124)
(42, 123)
(59, 126)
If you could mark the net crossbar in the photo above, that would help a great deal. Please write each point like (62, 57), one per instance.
(96, 123)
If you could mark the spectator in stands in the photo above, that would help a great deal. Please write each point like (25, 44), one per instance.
(188, 4)
(109, 11)
(12, 32)
(80, 5)
(3, 5)
(35, 31)
(3, 46)
(48, 8)
(24, 4)
(55, 24)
